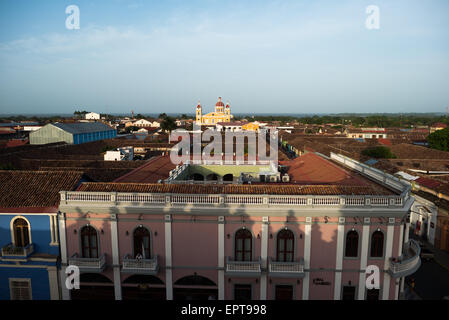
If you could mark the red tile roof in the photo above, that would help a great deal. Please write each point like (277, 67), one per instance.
(20, 189)
(385, 142)
(152, 171)
(274, 189)
(439, 125)
(429, 183)
(313, 169)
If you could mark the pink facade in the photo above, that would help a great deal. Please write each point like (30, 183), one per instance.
(195, 251)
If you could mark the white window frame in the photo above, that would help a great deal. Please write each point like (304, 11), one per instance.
(22, 280)
(54, 230)
(13, 236)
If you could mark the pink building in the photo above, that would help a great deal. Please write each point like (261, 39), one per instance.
(263, 241)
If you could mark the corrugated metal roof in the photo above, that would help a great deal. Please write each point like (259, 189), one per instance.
(82, 127)
(370, 162)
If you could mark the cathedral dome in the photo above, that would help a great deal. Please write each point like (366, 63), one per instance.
(219, 103)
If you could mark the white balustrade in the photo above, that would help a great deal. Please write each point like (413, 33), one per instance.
(140, 265)
(243, 266)
(286, 267)
(408, 261)
(140, 199)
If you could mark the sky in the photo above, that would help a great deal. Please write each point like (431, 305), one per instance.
(314, 56)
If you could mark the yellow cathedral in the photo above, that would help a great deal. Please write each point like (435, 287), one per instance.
(222, 113)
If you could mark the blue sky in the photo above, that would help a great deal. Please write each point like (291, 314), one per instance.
(263, 56)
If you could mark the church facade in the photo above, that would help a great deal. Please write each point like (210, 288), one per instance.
(222, 113)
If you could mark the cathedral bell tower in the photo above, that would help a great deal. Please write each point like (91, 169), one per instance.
(228, 112)
(198, 114)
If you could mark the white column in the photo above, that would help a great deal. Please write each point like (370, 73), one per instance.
(402, 284)
(339, 260)
(115, 258)
(401, 235)
(221, 259)
(63, 248)
(388, 252)
(307, 247)
(53, 283)
(406, 231)
(363, 259)
(168, 258)
(263, 256)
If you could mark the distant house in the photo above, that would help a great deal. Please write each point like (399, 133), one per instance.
(125, 153)
(367, 133)
(142, 123)
(155, 124)
(437, 126)
(92, 116)
(230, 126)
(252, 126)
(72, 133)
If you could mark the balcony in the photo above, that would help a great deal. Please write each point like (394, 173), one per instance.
(88, 264)
(408, 263)
(243, 268)
(12, 252)
(286, 269)
(140, 266)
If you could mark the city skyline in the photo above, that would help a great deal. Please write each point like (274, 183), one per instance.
(297, 57)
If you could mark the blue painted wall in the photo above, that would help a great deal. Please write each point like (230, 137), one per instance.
(40, 232)
(93, 136)
(40, 286)
(41, 238)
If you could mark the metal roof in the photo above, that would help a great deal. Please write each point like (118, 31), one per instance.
(82, 127)
(15, 124)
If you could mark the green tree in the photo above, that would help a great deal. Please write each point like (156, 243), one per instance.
(439, 139)
(168, 124)
(379, 152)
(131, 128)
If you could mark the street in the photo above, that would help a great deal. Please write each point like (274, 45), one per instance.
(431, 279)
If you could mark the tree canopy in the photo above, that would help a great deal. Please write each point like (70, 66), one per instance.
(379, 152)
(168, 124)
(439, 139)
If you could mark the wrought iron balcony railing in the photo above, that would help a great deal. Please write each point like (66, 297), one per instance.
(243, 268)
(141, 266)
(286, 269)
(88, 264)
(11, 251)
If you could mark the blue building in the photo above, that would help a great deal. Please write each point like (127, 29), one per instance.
(72, 133)
(29, 232)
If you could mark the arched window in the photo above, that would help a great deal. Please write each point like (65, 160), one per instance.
(21, 232)
(89, 242)
(243, 245)
(285, 246)
(197, 177)
(352, 244)
(377, 244)
(228, 177)
(142, 243)
(212, 177)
